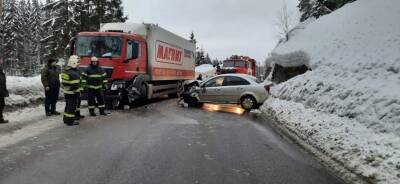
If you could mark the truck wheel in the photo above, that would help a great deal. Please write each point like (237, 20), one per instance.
(143, 94)
(248, 103)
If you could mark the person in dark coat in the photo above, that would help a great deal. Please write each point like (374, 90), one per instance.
(72, 84)
(200, 77)
(3, 92)
(51, 84)
(96, 82)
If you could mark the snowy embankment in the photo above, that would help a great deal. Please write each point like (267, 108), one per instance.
(348, 106)
(206, 70)
(24, 90)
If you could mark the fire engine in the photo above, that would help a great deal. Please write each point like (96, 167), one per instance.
(239, 64)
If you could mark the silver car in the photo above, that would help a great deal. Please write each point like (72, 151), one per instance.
(233, 89)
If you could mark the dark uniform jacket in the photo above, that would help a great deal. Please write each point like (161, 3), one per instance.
(3, 87)
(71, 80)
(50, 77)
(95, 77)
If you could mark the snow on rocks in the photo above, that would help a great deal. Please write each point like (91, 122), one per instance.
(349, 104)
(24, 90)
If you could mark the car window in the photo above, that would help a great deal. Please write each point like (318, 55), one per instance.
(216, 82)
(235, 81)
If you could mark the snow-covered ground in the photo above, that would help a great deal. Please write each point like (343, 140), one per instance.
(27, 122)
(24, 90)
(206, 70)
(349, 104)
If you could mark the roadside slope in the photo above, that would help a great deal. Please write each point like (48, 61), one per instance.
(348, 106)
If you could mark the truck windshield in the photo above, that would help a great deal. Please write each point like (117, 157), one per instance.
(99, 46)
(231, 63)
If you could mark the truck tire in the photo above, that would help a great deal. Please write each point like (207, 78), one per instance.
(248, 102)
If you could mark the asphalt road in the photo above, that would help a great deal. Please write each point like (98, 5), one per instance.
(161, 143)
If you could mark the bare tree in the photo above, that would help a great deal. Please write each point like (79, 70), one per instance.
(284, 22)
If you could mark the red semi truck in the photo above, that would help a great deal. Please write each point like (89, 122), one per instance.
(239, 64)
(142, 61)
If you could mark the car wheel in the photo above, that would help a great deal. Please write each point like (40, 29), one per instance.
(248, 103)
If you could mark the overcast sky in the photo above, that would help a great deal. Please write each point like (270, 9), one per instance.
(221, 27)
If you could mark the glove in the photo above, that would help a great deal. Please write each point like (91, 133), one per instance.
(47, 88)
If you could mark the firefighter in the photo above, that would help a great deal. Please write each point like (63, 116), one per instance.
(51, 83)
(71, 81)
(3, 92)
(96, 83)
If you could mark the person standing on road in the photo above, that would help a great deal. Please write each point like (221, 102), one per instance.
(96, 83)
(51, 83)
(71, 81)
(3, 92)
(200, 77)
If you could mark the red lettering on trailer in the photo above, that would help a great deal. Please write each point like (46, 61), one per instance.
(167, 53)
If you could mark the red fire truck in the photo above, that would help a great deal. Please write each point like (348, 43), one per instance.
(239, 64)
(142, 61)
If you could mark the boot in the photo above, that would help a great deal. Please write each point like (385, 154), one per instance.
(92, 113)
(73, 123)
(56, 113)
(102, 112)
(78, 116)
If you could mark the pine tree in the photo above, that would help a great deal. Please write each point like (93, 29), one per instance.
(192, 39)
(114, 12)
(318, 8)
(305, 7)
(200, 58)
(63, 23)
(11, 36)
(37, 35)
(207, 59)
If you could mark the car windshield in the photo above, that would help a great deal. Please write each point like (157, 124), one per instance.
(99, 46)
(233, 63)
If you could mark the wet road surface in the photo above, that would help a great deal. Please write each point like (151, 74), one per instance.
(161, 143)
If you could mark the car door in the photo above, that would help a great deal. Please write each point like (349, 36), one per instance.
(211, 90)
(233, 88)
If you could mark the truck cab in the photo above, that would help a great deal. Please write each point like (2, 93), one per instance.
(142, 61)
(122, 56)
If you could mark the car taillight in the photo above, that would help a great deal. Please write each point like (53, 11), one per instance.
(267, 88)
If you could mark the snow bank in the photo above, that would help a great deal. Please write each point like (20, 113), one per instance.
(207, 70)
(293, 59)
(349, 104)
(373, 155)
(24, 90)
(355, 56)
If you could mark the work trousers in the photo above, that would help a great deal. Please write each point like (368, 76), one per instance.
(51, 98)
(71, 106)
(96, 99)
(2, 104)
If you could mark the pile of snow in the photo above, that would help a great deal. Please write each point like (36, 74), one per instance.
(373, 155)
(355, 60)
(24, 90)
(293, 59)
(355, 56)
(206, 70)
